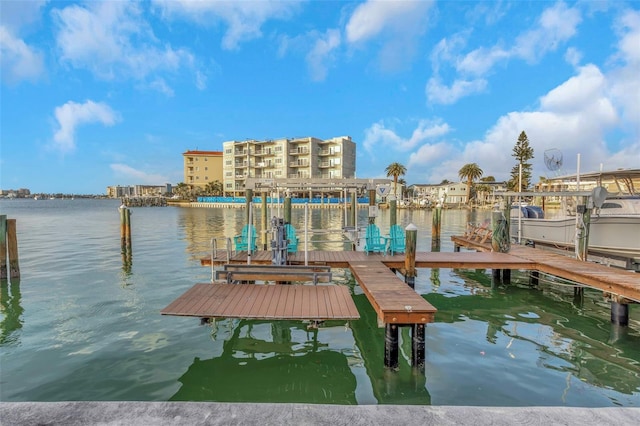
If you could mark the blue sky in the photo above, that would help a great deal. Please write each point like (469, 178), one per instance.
(112, 93)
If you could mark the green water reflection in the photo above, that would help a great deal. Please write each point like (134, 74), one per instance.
(291, 366)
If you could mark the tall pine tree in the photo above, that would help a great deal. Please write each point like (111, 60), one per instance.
(523, 153)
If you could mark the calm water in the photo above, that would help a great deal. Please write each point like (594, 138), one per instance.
(82, 325)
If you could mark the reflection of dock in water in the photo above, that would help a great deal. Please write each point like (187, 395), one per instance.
(283, 370)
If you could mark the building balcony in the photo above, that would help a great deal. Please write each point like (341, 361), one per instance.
(299, 164)
(298, 151)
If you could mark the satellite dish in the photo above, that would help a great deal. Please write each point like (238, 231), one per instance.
(599, 195)
(553, 159)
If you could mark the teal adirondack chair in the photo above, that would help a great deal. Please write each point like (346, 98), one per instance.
(397, 241)
(292, 238)
(374, 242)
(242, 241)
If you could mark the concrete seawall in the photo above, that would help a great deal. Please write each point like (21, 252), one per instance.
(210, 413)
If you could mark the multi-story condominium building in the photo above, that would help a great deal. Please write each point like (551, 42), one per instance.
(297, 158)
(202, 167)
(138, 190)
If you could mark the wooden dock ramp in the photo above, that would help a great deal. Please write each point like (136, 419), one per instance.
(274, 302)
(393, 300)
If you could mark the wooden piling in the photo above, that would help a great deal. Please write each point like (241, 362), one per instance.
(263, 213)
(411, 233)
(12, 249)
(500, 243)
(583, 236)
(393, 205)
(287, 209)
(391, 346)
(372, 206)
(436, 225)
(354, 208)
(3, 247)
(125, 237)
(417, 345)
(619, 313)
(248, 200)
(128, 229)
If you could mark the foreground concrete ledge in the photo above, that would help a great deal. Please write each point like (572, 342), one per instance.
(212, 413)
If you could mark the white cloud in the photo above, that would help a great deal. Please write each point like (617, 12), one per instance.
(161, 86)
(573, 117)
(373, 17)
(124, 171)
(18, 14)
(623, 80)
(442, 94)
(18, 60)
(481, 60)
(397, 24)
(379, 135)
(71, 115)
(244, 19)
(112, 40)
(556, 25)
(321, 56)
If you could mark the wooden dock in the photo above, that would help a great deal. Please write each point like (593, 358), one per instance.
(395, 302)
(620, 283)
(253, 301)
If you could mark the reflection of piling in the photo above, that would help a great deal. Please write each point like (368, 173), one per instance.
(125, 236)
(8, 249)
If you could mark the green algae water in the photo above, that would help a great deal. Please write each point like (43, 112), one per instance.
(82, 324)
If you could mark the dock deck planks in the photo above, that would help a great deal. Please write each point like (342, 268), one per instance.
(395, 302)
(252, 301)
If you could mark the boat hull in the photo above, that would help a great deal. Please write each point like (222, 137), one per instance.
(618, 235)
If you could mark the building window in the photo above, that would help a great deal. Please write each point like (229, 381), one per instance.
(206, 168)
(206, 178)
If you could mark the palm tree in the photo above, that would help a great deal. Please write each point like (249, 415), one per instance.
(213, 188)
(470, 172)
(182, 189)
(403, 186)
(396, 170)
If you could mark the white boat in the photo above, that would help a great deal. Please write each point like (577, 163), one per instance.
(613, 230)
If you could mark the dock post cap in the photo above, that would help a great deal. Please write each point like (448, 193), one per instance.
(411, 227)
